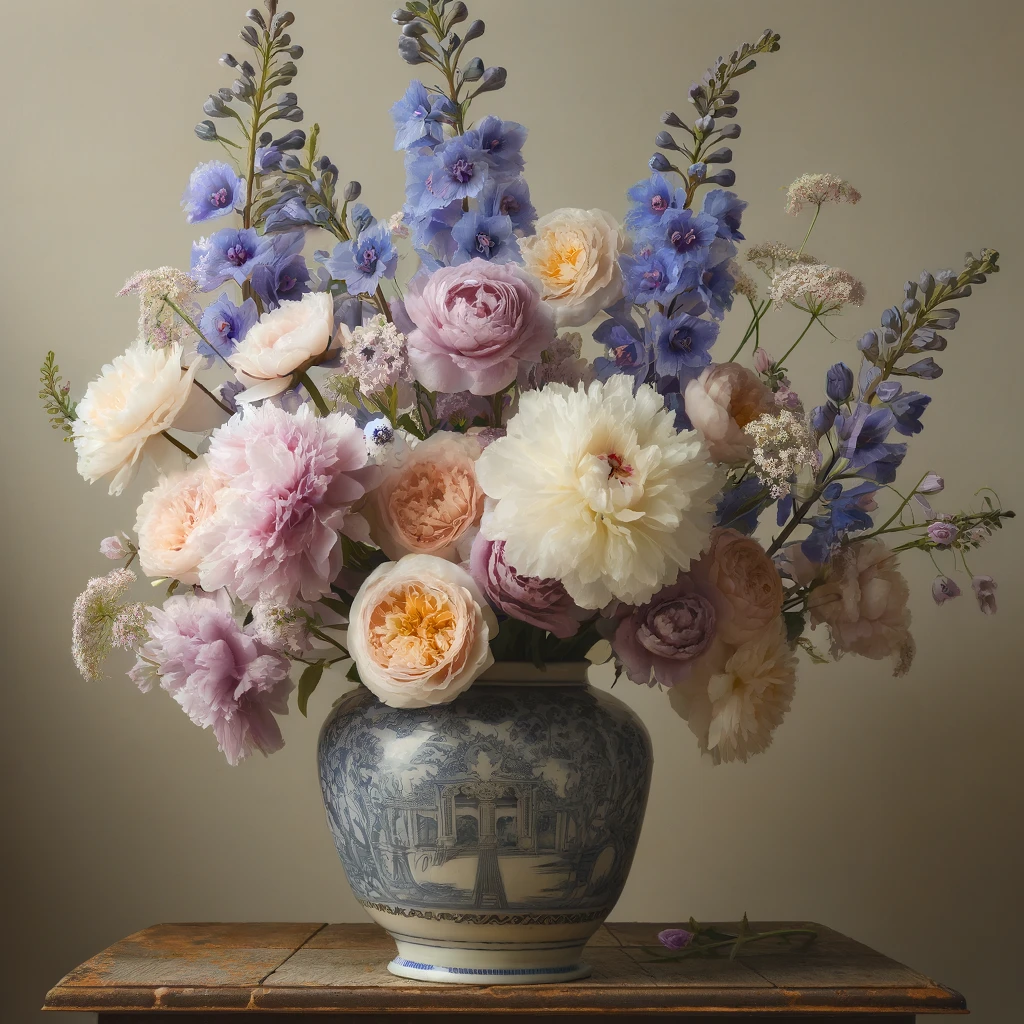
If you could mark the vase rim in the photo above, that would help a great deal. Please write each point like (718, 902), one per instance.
(526, 673)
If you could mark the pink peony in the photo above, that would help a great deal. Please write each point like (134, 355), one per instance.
(290, 479)
(542, 603)
(658, 642)
(222, 677)
(428, 498)
(864, 602)
(742, 582)
(474, 323)
(721, 402)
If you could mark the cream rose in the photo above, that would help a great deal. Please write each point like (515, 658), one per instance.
(864, 602)
(170, 524)
(744, 585)
(289, 338)
(124, 410)
(574, 257)
(420, 631)
(428, 498)
(721, 402)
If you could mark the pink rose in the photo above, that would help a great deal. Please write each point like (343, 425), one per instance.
(721, 402)
(658, 642)
(542, 603)
(428, 498)
(744, 585)
(864, 602)
(474, 323)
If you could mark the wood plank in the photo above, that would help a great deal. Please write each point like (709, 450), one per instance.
(160, 1017)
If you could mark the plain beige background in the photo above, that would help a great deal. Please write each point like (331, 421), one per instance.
(889, 809)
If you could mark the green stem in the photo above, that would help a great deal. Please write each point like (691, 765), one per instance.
(181, 447)
(257, 113)
(754, 325)
(789, 351)
(195, 329)
(903, 504)
(798, 515)
(320, 635)
(318, 400)
(814, 220)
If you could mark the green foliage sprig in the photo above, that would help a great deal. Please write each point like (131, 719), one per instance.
(56, 398)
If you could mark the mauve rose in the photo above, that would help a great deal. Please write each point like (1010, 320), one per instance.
(542, 603)
(942, 533)
(473, 325)
(658, 641)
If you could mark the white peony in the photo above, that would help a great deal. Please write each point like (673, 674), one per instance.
(123, 411)
(574, 257)
(734, 708)
(289, 338)
(420, 631)
(598, 489)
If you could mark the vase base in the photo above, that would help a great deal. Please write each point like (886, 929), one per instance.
(452, 975)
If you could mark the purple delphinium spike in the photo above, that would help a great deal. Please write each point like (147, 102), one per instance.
(214, 190)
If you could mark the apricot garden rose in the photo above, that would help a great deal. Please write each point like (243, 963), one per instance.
(420, 631)
(721, 402)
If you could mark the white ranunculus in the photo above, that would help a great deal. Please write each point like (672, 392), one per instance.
(574, 257)
(286, 339)
(598, 489)
(420, 632)
(138, 395)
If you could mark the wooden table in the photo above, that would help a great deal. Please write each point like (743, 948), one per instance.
(301, 973)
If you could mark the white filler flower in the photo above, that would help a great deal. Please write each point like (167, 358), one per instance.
(597, 488)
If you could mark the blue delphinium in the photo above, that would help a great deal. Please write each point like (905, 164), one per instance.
(688, 235)
(727, 209)
(862, 435)
(292, 213)
(285, 276)
(908, 407)
(420, 117)
(715, 282)
(365, 261)
(485, 238)
(509, 199)
(214, 190)
(739, 507)
(652, 275)
(228, 255)
(652, 198)
(501, 142)
(224, 325)
(841, 512)
(455, 171)
(682, 344)
(628, 350)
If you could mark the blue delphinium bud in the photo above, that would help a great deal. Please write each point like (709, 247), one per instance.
(822, 418)
(869, 345)
(248, 35)
(473, 71)
(216, 107)
(659, 162)
(725, 112)
(494, 79)
(295, 52)
(474, 30)
(253, 15)
(352, 191)
(400, 17)
(730, 97)
(705, 124)
(698, 171)
(730, 131)
(945, 319)
(672, 120)
(228, 61)
(409, 50)
(207, 131)
(280, 22)
(415, 28)
(664, 140)
(888, 390)
(459, 13)
(724, 178)
(926, 368)
(719, 156)
(891, 318)
(839, 382)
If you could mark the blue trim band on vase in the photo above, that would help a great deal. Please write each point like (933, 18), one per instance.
(502, 971)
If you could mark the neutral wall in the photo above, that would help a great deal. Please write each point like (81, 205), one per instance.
(889, 809)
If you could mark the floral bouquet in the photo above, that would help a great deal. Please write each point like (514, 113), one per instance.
(415, 480)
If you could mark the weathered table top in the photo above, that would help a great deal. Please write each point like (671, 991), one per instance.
(207, 972)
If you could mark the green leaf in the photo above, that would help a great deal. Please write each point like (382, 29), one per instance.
(812, 652)
(794, 625)
(308, 682)
(406, 422)
(352, 675)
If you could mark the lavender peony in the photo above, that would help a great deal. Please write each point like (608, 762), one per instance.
(290, 479)
(542, 603)
(658, 641)
(474, 324)
(223, 678)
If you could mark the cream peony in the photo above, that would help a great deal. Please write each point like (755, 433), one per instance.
(733, 708)
(596, 488)
(292, 337)
(864, 602)
(170, 523)
(574, 257)
(124, 410)
(743, 583)
(420, 632)
(721, 402)
(428, 498)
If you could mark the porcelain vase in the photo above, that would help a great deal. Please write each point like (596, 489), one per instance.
(491, 835)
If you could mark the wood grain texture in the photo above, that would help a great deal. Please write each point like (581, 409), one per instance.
(287, 972)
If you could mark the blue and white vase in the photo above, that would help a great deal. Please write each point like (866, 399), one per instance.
(490, 836)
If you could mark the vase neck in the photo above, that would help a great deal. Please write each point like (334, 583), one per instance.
(524, 673)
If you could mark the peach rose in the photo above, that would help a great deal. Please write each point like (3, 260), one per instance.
(574, 257)
(289, 338)
(744, 585)
(864, 602)
(721, 402)
(420, 631)
(170, 524)
(429, 498)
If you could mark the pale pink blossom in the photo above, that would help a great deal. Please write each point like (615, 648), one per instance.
(721, 402)
(816, 189)
(223, 678)
(102, 620)
(474, 324)
(290, 481)
(820, 288)
(984, 588)
(113, 548)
